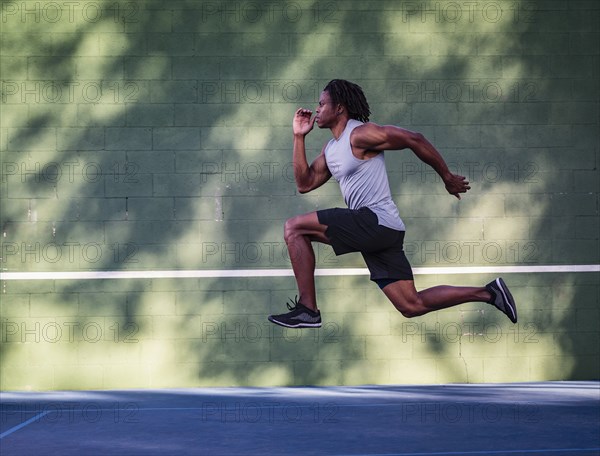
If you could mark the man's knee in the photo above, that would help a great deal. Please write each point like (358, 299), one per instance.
(289, 228)
(409, 306)
(407, 311)
(307, 227)
(300, 225)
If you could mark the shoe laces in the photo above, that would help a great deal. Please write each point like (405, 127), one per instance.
(294, 303)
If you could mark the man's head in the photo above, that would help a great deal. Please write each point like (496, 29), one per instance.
(351, 97)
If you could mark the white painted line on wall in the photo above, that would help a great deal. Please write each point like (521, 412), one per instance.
(249, 273)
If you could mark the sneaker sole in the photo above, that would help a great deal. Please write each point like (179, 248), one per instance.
(298, 325)
(508, 299)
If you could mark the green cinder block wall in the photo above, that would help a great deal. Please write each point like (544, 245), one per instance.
(156, 136)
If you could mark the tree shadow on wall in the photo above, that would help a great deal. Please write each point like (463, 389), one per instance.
(125, 170)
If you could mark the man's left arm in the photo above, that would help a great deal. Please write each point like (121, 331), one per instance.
(371, 137)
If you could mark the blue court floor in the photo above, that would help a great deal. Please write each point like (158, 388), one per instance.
(549, 418)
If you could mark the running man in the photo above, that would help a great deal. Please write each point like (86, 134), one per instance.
(371, 224)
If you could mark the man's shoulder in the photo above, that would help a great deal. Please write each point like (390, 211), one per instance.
(365, 133)
(365, 127)
(354, 124)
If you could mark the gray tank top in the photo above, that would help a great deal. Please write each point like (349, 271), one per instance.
(364, 183)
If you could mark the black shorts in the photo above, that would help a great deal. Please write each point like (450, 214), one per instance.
(358, 230)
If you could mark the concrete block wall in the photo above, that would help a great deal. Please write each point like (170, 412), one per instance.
(156, 136)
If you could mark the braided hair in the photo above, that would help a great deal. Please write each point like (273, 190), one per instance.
(351, 96)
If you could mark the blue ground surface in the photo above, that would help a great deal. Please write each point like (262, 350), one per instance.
(549, 418)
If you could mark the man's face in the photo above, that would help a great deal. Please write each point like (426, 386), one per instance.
(326, 111)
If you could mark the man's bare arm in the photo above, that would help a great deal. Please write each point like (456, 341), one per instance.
(308, 177)
(371, 137)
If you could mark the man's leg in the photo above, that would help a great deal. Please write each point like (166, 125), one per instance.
(412, 303)
(299, 232)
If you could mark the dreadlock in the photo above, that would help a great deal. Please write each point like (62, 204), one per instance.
(351, 96)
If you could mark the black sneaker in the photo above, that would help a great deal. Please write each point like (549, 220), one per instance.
(502, 298)
(299, 317)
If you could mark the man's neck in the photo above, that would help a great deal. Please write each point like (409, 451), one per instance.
(339, 127)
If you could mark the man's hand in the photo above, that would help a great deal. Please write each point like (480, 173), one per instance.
(456, 184)
(303, 124)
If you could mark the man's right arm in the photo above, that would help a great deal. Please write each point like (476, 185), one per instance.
(308, 177)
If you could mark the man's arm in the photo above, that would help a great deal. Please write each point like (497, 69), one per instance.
(307, 177)
(371, 137)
